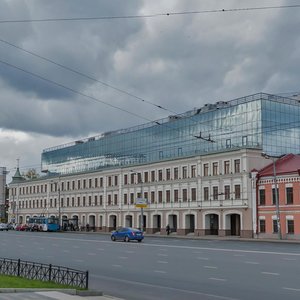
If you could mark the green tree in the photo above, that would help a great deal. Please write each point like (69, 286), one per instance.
(31, 174)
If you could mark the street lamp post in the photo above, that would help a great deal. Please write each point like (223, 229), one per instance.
(276, 193)
(59, 212)
(142, 209)
(57, 188)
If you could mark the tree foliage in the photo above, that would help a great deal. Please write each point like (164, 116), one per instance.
(31, 174)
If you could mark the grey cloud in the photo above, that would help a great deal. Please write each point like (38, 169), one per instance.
(177, 62)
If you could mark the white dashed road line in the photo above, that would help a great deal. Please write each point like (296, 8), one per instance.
(252, 262)
(270, 273)
(217, 279)
(210, 267)
(291, 289)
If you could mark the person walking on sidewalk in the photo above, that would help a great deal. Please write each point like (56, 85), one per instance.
(168, 229)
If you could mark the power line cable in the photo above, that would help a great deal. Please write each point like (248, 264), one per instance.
(73, 90)
(96, 80)
(208, 139)
(155, 15)
(85, 75)
(93, 98)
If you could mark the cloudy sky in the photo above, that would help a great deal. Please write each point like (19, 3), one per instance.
(68, 79)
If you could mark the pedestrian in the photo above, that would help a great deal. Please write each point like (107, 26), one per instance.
(87, 227)
(168, 229)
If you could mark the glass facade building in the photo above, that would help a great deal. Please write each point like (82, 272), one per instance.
(260, 121)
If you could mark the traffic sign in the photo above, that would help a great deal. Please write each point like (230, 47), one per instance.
(141, 203)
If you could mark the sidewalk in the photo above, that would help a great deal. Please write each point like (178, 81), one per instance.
(41, 294)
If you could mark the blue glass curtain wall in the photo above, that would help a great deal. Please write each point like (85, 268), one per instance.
(256, 121)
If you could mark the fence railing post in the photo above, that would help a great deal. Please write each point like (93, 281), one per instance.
(19, 266)
(50, 272)
(87, 280)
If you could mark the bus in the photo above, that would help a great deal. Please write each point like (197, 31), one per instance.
(43, 223)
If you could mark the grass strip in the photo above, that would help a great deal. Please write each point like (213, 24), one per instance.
(20, 282)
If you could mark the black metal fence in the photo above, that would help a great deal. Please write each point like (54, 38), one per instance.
(32, 270)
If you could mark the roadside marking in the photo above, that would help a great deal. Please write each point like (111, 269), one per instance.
(270, 273)
(291, 289)
(167, 246)
(252, 262)
(156, 286)
(217, 279)
(210, 267)
(158, 271)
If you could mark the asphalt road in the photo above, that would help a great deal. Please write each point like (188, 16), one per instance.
(167, 268)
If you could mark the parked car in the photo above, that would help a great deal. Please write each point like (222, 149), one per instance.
(21, 227)
(127, 234)
(3, 226)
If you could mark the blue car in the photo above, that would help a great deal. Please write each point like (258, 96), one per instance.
(127, 234)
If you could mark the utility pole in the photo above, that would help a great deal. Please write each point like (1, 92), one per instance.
(276, 192)
(140, 202)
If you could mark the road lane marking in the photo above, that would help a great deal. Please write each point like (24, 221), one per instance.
(210, 267)
(168, 246)
(123, 257)
(217, 279)
(163, 287)
(79, 260)
(289, 258)
(161, 254)
(270, 273)
(66, 251)
(252, 262)
(117, 266)
(128, 251)
(162, 262)
(100, 249)
(159, 271)
(291, 289)
(202, 258)
(239, 255)
(91, 253)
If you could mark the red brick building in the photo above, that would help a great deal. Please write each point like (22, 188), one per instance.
(287, 169)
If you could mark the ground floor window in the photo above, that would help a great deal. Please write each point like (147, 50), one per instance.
(262, 226)
(290, 226)
(275, 226)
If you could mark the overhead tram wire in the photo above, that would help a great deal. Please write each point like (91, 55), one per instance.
(155, 15)
(85, 75)
(86, 96)
(101, 82)
(208, 139)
